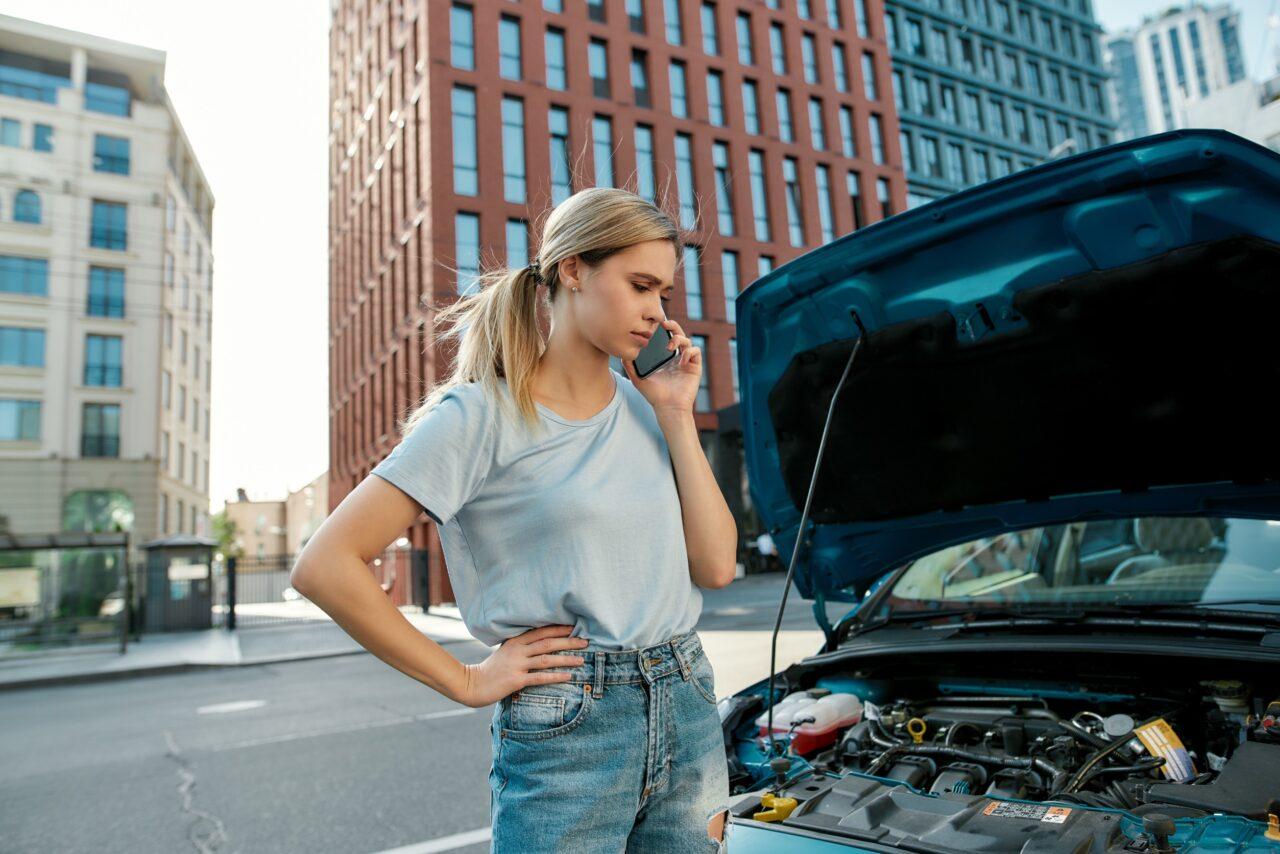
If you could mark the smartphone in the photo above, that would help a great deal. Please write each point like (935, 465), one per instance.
(655, 354)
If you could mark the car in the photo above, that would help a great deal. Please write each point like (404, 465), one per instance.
(1026, 432)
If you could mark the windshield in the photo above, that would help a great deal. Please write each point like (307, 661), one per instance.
(1148, 560)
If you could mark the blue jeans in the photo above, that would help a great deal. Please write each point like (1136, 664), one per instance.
(627, 755)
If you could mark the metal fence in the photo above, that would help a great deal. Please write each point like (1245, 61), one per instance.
(253, 592)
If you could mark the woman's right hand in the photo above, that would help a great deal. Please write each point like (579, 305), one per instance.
(519, 662)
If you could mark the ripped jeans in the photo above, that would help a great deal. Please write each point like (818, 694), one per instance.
(626, 756)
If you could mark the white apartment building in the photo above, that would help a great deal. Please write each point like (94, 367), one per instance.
(105, 282)
(1169, 63)
(1247, 108)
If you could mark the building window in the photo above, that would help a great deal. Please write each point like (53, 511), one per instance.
(877, 138)
(816, 130)
(715, 98)
(640, 78)
(602, 147)
(557, 73)
(11, 133)
(746, 53)
(100, 431)
(466, 172)
(733, 365)
(19, 275)
(784, 116)
(42, 137)
(791, 187)
(809, 58)
(26, 207)
(166, 385)
(684, 180)
(724, 188)
(908, 150)
(849, 147)
(671, 18)
(822, 181)
(838, 68)
(105, 98)
(955, 164)
(750, 107)
(598, 67)
(853, 188)
(595, 11)
(882, 193)
(948, 104)
(635, 16)
(19, 420)
(729, 277)
(21, 347)
(513, 154)
(923, 95)
(702, 403)
(679, 94)
(106, 292)
(710, 33)
(509, 47)
(561, 165)
(860, 13)
(692, 271)
(102, 360)
(108, 228)
(517, 244)
(777, 49)
(466, 227)
(110, 154)
(915, 38)
(646, 185)
(932, 158)
(462, 37)
(759, 196)
(871, 87)
(981, 168)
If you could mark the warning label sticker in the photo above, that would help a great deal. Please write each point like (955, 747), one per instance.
(1032, 812)
(1159, 738)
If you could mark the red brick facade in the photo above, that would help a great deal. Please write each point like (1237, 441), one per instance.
(392, 200)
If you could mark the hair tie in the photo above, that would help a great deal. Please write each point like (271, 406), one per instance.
(536, 269)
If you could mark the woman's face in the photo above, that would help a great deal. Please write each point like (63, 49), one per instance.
(627, 293)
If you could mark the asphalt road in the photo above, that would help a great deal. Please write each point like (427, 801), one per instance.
(340, 754)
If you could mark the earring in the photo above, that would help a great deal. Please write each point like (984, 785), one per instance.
(575, 290)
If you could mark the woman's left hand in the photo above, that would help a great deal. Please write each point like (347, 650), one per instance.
(674, 386)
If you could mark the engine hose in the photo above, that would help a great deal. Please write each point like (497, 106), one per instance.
(1074, 783)
(894, 752)
(1136, 768)
(877, 734)
(1070, 726)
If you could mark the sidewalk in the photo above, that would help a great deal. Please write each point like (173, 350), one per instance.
(170, 652)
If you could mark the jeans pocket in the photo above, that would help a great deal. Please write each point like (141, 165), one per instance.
(546, 711)
(703, 677)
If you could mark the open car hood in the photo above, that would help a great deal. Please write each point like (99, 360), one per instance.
(1091, 338)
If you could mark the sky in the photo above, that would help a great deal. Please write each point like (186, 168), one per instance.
(250, 83)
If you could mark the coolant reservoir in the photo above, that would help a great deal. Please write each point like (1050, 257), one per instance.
(831, 713)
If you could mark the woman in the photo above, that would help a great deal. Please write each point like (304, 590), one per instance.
(579, 517)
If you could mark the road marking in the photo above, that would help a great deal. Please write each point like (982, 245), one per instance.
(444, 843)
(236, 706)
(293, 736)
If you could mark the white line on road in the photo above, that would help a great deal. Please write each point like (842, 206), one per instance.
(236, 706)
(348, 728)
(444, 843)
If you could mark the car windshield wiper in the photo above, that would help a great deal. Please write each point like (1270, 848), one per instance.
(1074, 611)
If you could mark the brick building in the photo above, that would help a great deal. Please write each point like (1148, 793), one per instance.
(455, 126)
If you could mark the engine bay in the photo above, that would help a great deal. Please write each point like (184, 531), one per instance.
(971, 761)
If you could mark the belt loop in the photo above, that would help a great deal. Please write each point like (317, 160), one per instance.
(598, 687)
(684, 665)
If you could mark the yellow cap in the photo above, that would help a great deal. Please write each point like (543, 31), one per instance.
(778, 808)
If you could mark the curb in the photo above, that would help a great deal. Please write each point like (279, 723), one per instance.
(182, 667)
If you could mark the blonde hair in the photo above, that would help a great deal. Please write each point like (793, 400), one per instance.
(497, 326)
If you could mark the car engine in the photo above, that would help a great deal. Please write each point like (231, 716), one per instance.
(958, 764)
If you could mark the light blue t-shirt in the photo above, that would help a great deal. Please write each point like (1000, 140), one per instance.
(580, 525)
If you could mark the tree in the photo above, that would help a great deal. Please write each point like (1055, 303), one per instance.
(226, 532)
